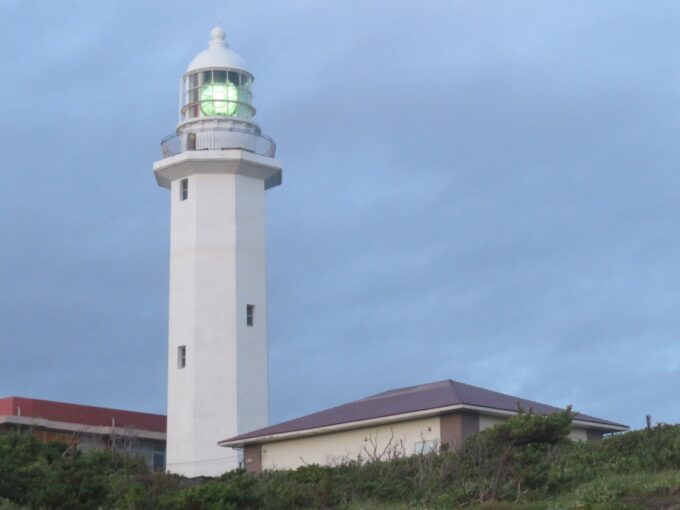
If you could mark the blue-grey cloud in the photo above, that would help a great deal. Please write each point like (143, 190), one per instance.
(486, 192)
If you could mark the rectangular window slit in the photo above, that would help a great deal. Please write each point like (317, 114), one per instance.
(184, 189)
(182, 356)
(250, 315)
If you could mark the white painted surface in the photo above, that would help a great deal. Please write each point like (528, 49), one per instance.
(332, 449)
(217, 267)
(218, 55)
(230, 161)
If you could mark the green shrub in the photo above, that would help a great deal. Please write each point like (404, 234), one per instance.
(524, 462)
(8, 505)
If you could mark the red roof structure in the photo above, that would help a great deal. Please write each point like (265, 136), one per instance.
(81, 415)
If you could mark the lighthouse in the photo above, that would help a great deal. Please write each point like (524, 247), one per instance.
(217, 166)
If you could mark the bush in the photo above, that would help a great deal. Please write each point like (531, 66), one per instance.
(525, 460)
(55, 476)
(8, 505)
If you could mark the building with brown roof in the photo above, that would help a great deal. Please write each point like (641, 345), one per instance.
(399, 422)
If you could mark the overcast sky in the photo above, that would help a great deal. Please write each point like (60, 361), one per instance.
(481, 191)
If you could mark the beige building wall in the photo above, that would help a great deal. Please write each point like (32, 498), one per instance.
(368, 443)
(578, 435)
(379, 442)
(486, 422)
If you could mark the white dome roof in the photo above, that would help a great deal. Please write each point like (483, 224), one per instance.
(218, 54)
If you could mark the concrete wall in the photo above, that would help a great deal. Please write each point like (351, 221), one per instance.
(595, 435)
(370, 442)
(217, 267)
(251, 282)
(578, 434)
(457, 427)
(335, 448)
(486, 422)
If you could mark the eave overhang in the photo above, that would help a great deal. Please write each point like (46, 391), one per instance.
(62, 426)
(484, 411)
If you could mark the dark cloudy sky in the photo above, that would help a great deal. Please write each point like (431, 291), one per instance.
(482, 191)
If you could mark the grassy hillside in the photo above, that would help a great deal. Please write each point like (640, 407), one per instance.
(523, 464)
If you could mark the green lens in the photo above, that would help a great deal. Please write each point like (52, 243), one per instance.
(219, 99)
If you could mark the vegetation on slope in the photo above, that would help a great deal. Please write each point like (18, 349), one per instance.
(524, 463)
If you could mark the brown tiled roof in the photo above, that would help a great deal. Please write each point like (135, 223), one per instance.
(412, 399)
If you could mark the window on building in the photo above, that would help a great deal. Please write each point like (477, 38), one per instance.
(423, 447)
(250, 315)
(184, 189)
(182, 356)
(152, 452)
(158, 462)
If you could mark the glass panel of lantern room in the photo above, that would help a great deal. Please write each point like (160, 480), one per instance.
(192, 99)
(184, 98)
(219, 98)
(245, 96)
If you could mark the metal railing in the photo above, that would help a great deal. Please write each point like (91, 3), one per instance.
(218, 139)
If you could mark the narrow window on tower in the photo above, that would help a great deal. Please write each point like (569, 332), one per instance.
(184, 189)
(182, 356)
(250, 315)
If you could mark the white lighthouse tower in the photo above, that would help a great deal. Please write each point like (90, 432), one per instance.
(217, 167)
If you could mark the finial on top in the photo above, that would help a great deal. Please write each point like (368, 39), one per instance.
(217, 55)
(217, 38)
(217, 33)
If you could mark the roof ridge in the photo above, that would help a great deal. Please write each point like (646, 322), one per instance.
(502, 394)
(409, 389)
(455, 390)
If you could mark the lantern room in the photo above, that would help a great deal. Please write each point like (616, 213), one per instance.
(217, 84)
(217, 93)
(216, 105)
